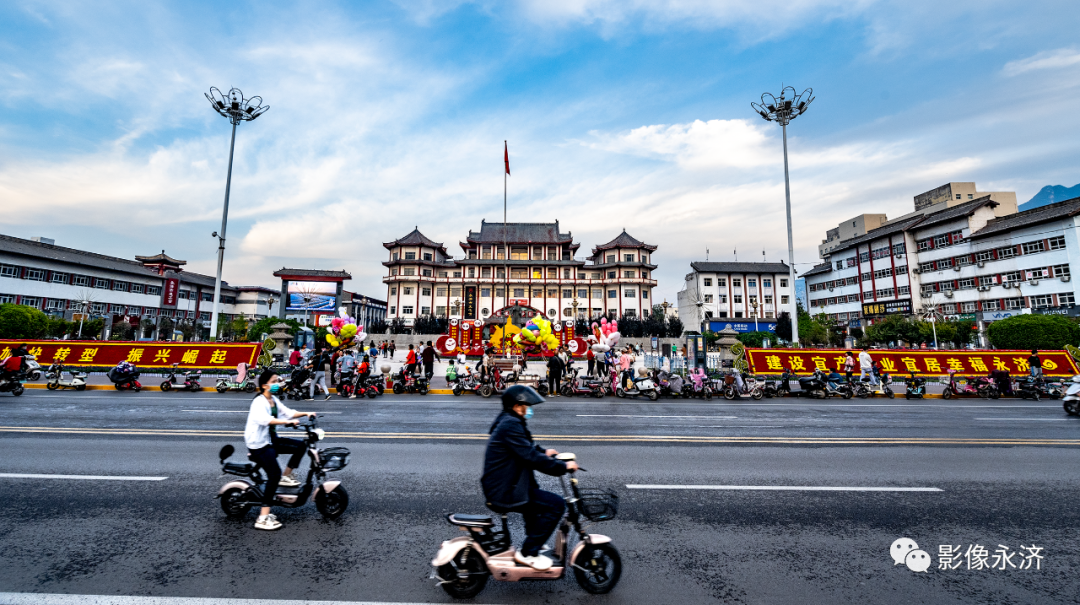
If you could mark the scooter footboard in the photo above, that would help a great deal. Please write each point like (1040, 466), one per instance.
(449, 549)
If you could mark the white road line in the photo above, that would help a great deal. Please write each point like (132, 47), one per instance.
(240, 412)
(1031, 419)
(641, 416)
(20, 598)
(786, 488)
(85, 477)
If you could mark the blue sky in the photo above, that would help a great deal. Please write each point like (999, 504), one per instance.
(620, 114)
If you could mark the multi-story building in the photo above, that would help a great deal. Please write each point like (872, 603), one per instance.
(851, 228)
(715, 293)
(530, 264)
(962, 261)
(368, 311)
(64, 281)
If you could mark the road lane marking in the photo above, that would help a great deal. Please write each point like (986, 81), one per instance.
(587, 439)
(1031, 419)
(644, 416)
(84, 477)
(240, 412)
(22, 598)
(786, 488)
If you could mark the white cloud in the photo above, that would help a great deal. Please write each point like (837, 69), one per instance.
(1051, 59)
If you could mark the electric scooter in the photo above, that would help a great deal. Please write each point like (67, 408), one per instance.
(633, 387)
(464, 564)
(191, 380)
(239, 495)
(240, 380)
(1072, 398)
(916, 387)
(55, 373)
(33, 368)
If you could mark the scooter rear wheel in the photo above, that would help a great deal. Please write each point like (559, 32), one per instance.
(332, 505)
(1072, 407)
(52, 386)
(486, 390)
(398, 389)
(231, 503)
(477, 574)
(597, 568)
(458, 390)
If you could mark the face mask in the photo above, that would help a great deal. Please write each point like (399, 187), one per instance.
(275, 388)
(528, 413)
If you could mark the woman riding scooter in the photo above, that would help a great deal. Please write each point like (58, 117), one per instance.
(260, 435)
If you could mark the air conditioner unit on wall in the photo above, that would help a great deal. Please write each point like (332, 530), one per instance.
(1034, 282)
(948, 294)
(1006, 285)
(926, 294)
(1065, 278)
(981, 264)
(916, 270)
(956, 267)
(983, 288)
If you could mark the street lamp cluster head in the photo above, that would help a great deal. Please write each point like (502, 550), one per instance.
(234, 106)
(785, 108)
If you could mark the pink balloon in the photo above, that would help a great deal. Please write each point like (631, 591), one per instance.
(603, 320)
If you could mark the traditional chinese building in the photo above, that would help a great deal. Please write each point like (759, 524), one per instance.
(525, 264)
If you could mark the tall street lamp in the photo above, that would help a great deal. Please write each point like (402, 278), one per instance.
(238, 109)
(783, 110)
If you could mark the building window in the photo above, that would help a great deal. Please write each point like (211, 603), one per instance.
(9, 271)
(864, 257)
(519, 292)
(1012, 276)
(628, 274)
(1014, 303)
(708, 298)
(866, 277)
(987, 280)
(1057, 243)
(629, 293)
(425, 291)
(31, 301)
(783, 284)
(784, 299)
(611, 274)
(119, 286)
(839, 265)
(537, 293)
(567, 293)
(207, 296)
(991, 305)
(407, 310)
(1067, 298)
(736, 283)
(485, 292)
(628, 258)
(427, 272)
(519, 253)
(425, 310)
(566, 273)
(438, 292)
(407, 290)
(751, 283)
(766, 283)
(611, 258)
(1060, 270)
(644, 293)
(1033, 247)
(708, 282)
(59, 278)
(612, 293)
(1043, 300)
(408, 271)
(899, 249)
(723, 299)
(153, 290)
(455, 290)
(35, 275)
(457, 274)
(443, 274)
(924, 245)
(393, 291)
(901, 270)
(410, 256)
(945, 263)
(967, 284)
(721, 281)
(940, 241)
(100, 283)
(737, 299)
(440, 311)
(54, 305)
(1007, 252)
(583, 293)
(472, 271)
(499, 292)
(137, 288)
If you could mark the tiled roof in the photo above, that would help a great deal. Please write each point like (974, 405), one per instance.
(160, 258)
(624, 240)
(737, 267)
(34, 249)
(1029, 217)
(415, 238)
(959, 211)
(520, 233)
(311, 273)
(818, 270)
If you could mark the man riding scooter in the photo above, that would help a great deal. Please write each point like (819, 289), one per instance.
(508, 480)
(260, 435)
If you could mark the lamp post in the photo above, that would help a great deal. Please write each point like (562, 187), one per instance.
(784, 110)
(455, 306)
(574, 304)
(754, 304)
(238, 109)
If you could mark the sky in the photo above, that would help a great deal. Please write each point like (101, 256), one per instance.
(620, 114)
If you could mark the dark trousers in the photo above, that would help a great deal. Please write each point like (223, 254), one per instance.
(554, 380)
(429, 369)
(266, 458)
(592, 367)
(542, 515)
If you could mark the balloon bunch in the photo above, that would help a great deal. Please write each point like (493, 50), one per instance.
(535, 334)
(605, 335)
(343, 331)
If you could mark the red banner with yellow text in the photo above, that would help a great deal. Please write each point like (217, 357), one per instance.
(899, 361)
(196, 355)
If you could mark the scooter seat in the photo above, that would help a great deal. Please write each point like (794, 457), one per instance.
(470, 520)
(238, 468)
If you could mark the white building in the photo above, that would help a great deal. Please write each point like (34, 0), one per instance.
(717, 293)
(964, 260)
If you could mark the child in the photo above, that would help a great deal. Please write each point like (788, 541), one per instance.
(451, 373)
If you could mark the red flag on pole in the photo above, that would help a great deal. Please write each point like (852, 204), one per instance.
(506, 157)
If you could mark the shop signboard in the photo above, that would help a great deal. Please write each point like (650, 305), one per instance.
(470, 302)
(741, 325)
(899, 362)
(83, 353)
(887, 307)
(172, 286)
(1069, 311)
(998, 315)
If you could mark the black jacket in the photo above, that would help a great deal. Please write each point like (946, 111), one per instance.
(510, 460)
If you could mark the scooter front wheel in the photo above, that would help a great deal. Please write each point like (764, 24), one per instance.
(166, 386)
(232, 503)
(597, 568)
(1072, 407)
(332, 505)
(52, 386)
(465, 576)
(398, 389)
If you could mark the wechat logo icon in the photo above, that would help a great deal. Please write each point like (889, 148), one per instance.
(905, 551)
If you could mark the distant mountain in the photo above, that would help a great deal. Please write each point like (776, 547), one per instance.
(1049, 195)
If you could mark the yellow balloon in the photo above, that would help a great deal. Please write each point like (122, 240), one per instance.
(330, 338)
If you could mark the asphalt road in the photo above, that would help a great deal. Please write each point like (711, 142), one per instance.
(1005, 470)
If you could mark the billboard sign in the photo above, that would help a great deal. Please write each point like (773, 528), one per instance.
(97, 353)
(172, 286)
(312, 296)
(888, 307)
(903, 361)
(741, 325)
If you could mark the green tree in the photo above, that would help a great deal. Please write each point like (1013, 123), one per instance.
(165, 328)
(122, 330)
(756, 339)
(894, 328)
(674, 327)
(20, 321)
(1034, 332)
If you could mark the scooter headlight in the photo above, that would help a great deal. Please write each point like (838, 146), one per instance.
(320, 434)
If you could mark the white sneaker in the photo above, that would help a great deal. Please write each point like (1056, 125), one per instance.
(267, 522)
(539, 562)
(288, 481)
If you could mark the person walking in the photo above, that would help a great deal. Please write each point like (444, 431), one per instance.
(347, 370)
(410, 361)
(626, 362)
(321, 366)
(866, 363)
(1035, 364)
(429, 355)
(849, 365)
(392, 347)
(295, 358)
(591, 357)
(555, 366)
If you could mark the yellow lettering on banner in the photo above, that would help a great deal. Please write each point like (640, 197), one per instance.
(888, 365)
(35, 351)
(932, 365)
(162, 355)
(5, 353)
(955, 364)
(773, 362)
(135, 355)
(217, 357)
(796, 363)
(978, 365)
(910, 364)
(819, 363)
(840, 361)
(1049, 365)
(62, 354)
(1021, 364)
(1000, 365)
(190, 356)
(88, 355)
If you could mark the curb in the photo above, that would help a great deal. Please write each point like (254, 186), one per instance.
(106, 387)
